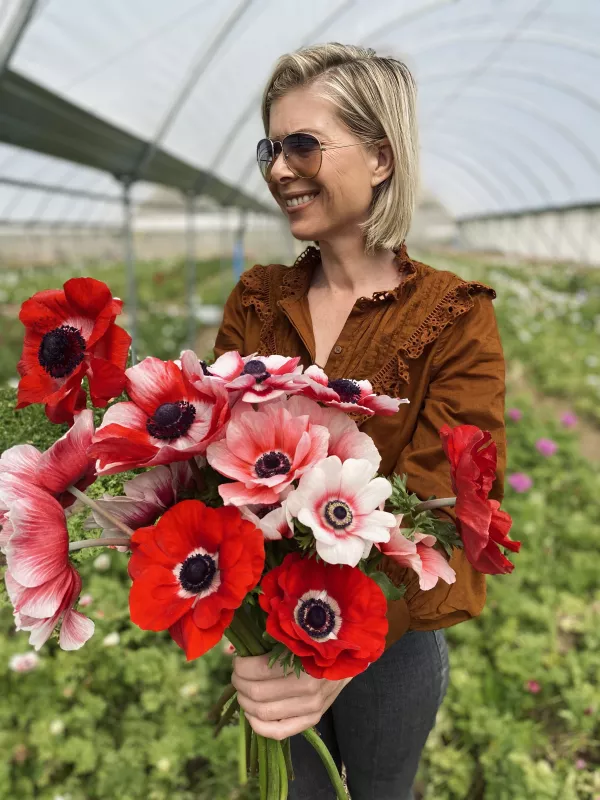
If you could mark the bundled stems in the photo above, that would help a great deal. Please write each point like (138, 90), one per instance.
(242, 754)
(226, 695)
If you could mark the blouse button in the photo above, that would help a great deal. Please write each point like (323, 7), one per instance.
(337, 349)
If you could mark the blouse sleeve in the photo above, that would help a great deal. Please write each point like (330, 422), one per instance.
(467, 386)
(232, 332)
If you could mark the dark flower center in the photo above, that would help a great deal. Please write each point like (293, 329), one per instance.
(205, 368)
(197, 573)
(257, 369)
(338, 514)
(266, 509)
(349, 391)
(171, 420)
(316, 617)
(61, 351)
(273, 463)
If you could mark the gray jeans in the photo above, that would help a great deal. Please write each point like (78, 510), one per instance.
(378, 725)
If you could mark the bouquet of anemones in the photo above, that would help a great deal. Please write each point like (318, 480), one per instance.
(256, 511)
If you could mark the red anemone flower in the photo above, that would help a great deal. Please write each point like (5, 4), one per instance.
(483, 527)
(173, 415)
(333, 617)
(191, 571)
(70, 334)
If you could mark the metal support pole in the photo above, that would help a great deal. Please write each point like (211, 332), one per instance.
(238, 255)
(129, 255)
(190, 267)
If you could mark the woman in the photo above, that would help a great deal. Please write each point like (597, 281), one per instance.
(341, 163)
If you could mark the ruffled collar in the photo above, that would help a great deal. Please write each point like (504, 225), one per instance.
(296, 279)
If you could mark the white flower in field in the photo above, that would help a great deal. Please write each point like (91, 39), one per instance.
(524, 336)
(102, 562)
(592, 380)
(592, 361)
(189, 689)
(111, 639)
(62, 797)
(24, 662)
(57, 726)
(164, 765)
(12, 383)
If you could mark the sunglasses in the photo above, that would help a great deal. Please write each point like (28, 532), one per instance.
(302, 152)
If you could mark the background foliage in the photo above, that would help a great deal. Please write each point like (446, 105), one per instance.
(125, 717)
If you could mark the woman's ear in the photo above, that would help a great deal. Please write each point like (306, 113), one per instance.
(384, 165)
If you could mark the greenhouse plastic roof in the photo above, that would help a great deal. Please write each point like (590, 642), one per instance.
(508, 102)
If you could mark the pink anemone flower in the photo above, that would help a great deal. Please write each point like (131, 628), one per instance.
(147, 497)
(271, 518)
(173, 415)
(354, 397)
(42, 584)
(64, 464)
(340, 503)
(419, 555)
(257, 378)
(264, 451)
(345, 439)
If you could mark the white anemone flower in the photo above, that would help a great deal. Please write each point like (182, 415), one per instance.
(340, 502)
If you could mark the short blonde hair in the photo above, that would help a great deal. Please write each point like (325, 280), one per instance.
(375, 98)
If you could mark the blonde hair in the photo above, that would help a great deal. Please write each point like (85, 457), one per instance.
(375, 98)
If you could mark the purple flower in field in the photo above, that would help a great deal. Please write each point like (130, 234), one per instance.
(546, 447)
(581, 763)
(515, 414)
(533, 686)
(520, 482)
(569, 419)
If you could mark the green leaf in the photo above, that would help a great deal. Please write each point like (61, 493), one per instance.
(390, 590)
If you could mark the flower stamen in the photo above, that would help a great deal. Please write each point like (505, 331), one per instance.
(338, 514)
(272, 463)
(61, 351)
(257, 369)
(348, 390)
(197, 573)
(171, 420)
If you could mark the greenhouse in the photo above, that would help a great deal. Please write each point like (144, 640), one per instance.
(128, 136)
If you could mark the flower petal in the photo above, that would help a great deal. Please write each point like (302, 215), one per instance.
(39, 546)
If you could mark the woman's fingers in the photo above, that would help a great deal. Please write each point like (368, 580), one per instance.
(281, 709)
(256, 668)
(277, 688)
(282, 729)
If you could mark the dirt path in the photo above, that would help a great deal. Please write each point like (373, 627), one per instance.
(588, 432)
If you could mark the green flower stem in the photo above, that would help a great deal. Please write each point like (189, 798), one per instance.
(315, 740)
(286, 747)
(253, 753)
(104, 542)
(283, 774)
(240, 625)
(227, 715)
(99, 510)
(438, 502)
(248, 737)
(226, 695)
(242, 763)
(273, 784)
(262, 766)
(237, 642)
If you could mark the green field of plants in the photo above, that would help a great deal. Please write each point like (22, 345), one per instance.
(125, 716)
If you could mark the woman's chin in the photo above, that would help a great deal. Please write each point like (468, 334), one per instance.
(304, 231)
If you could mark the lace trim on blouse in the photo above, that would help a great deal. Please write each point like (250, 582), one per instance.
(294, 283)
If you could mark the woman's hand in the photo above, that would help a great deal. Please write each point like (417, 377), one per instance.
(278, 706)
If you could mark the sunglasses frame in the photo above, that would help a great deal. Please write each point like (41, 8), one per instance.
(322, 149)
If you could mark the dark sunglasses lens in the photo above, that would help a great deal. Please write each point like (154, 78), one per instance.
(264, 156)
(303, 154)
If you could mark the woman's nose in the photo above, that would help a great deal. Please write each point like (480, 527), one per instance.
(280, 172)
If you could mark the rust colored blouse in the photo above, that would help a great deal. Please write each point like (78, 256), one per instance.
(433, 339)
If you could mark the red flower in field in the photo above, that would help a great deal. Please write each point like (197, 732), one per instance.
(191, 571)
(483, 527)
(70, 334)
(42, 584)
(333, 617)
(174, 415)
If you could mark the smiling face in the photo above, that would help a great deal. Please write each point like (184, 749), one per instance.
(338, 198)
